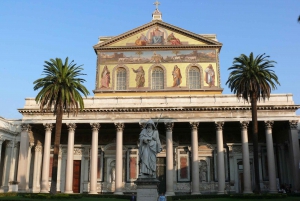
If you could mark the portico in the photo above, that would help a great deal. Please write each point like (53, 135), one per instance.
(189, 133)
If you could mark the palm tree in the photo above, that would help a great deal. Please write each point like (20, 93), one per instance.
(60, 92)
(299, 18)
(252, 80)
(176, 52)
(139, 53)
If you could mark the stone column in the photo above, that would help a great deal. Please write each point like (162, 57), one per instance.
(220, 157)
(195, 160)
(246, 160)
(94, 158)
(169, 165)
(23, 156)
(70, 156)
(13, 167)
(28, 165)
(271, 158)
(294, 155)
(119, 158)
(46, 159)
(37, 169)
(7, 165)
(1, 142)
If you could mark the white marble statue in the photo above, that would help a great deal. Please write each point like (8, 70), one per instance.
(149, 146)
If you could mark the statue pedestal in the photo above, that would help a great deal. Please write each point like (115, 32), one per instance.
(147, 189)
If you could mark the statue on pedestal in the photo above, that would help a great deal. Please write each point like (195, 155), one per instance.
(148, 148)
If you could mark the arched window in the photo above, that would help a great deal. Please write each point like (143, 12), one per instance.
(121, 79)
(157, 78)
(194, 78)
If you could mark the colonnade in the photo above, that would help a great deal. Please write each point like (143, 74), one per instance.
(169, 157)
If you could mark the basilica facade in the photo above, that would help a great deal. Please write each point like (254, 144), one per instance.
(170, 75)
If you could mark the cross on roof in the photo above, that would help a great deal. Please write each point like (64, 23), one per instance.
(156, 3)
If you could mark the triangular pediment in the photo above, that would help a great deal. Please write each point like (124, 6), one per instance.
(155, 34)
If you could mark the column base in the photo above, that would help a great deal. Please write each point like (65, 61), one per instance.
(220, 192)
(169, 193)
(44, 191)
(195, 193)
(118, 193)
(68, 192)
(247, 192)
(273, 191)
(93, 192)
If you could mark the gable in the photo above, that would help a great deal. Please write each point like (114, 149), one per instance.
(158, 34)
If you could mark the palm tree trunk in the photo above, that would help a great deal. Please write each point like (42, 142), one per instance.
(255, 141)
(58, 126)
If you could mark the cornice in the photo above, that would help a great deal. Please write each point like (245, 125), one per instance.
(8, 131)
(156, 47)
(180, 109)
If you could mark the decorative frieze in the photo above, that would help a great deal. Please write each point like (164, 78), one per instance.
(194, 125)
(95, 126)
(78, 151)
(48, 127)
(219, 125)
(293, 124)
(71, 126)
(120, 126)
(269, 124)
(169, 126)
(244, 125)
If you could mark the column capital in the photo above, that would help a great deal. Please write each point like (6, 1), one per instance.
(169, 126)
(71, 126)
(10, 144)
(194, 125)
(293, 124)
(1, 139)
(25, 127)
(31, 144)
(219, 125)
(95, 126)
(48, 127)
(38, 148)
(120, 126)
(269, 124)
(244, 125)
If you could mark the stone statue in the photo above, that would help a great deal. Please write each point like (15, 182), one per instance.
(203, 171)
(113, 172)
(148, 148)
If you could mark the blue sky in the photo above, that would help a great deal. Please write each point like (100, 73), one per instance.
(34, 31)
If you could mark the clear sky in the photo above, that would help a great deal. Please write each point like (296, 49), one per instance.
(33, 31)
